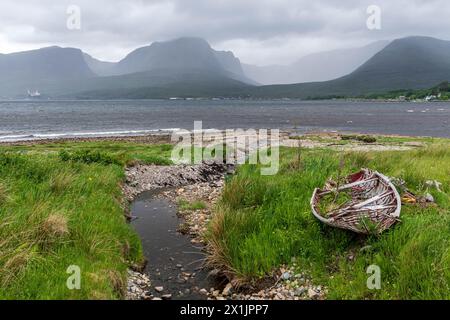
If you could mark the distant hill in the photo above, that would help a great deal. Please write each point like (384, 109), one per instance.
(408, 63)
(22, 71)
(321, 66)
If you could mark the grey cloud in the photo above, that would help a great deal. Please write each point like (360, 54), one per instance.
(260, 31)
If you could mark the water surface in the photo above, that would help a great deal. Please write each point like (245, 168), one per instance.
(171, 256)
(47, 119)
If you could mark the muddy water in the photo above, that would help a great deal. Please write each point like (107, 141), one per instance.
(173, 262)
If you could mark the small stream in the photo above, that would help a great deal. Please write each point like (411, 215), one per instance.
(174, 263)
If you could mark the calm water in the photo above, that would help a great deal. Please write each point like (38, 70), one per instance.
(46, 119)
(170, 255)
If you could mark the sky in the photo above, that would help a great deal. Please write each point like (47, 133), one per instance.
(261, 32)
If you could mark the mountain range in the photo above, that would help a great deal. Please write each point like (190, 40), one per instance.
(61, 72)
(189, 67)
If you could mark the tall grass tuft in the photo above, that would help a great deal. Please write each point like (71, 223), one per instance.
(61, 182)
(53, 229)
(3, 194)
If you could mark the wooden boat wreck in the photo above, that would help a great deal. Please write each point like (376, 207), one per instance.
(369, 204)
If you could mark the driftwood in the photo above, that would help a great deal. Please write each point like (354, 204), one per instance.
(374, 206)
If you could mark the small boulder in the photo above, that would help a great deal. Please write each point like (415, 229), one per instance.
(286, 276)
(312, 294)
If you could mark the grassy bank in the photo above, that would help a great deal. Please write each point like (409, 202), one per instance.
(265, 221)
(60, 205)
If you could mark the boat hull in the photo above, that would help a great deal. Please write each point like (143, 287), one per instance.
(375, 203)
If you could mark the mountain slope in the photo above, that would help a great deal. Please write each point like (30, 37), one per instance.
(408, 63)
(178, 55)
(100, 68)
(26, 70)
(158, 84)
(186, 67)
(411, 63)
(183, 55)
(320, 66)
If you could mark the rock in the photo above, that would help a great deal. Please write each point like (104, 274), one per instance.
(312, 294)
(156, 298)
(216, 293)
(179, 266)
(159, 289)
(203, 292)
(227, 290)
(166, 296)
(286, 276)
(429, 198)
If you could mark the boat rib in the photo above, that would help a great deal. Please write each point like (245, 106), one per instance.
(375, 203)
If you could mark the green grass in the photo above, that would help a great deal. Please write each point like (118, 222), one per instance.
(265, 221)
(60, 205)
(119, 152)
(184, 205)
(361, 138)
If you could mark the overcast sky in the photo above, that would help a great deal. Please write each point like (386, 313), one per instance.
(257, 31)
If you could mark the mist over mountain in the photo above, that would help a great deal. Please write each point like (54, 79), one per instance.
(100, 68)
(407, 63)
(321, 66)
